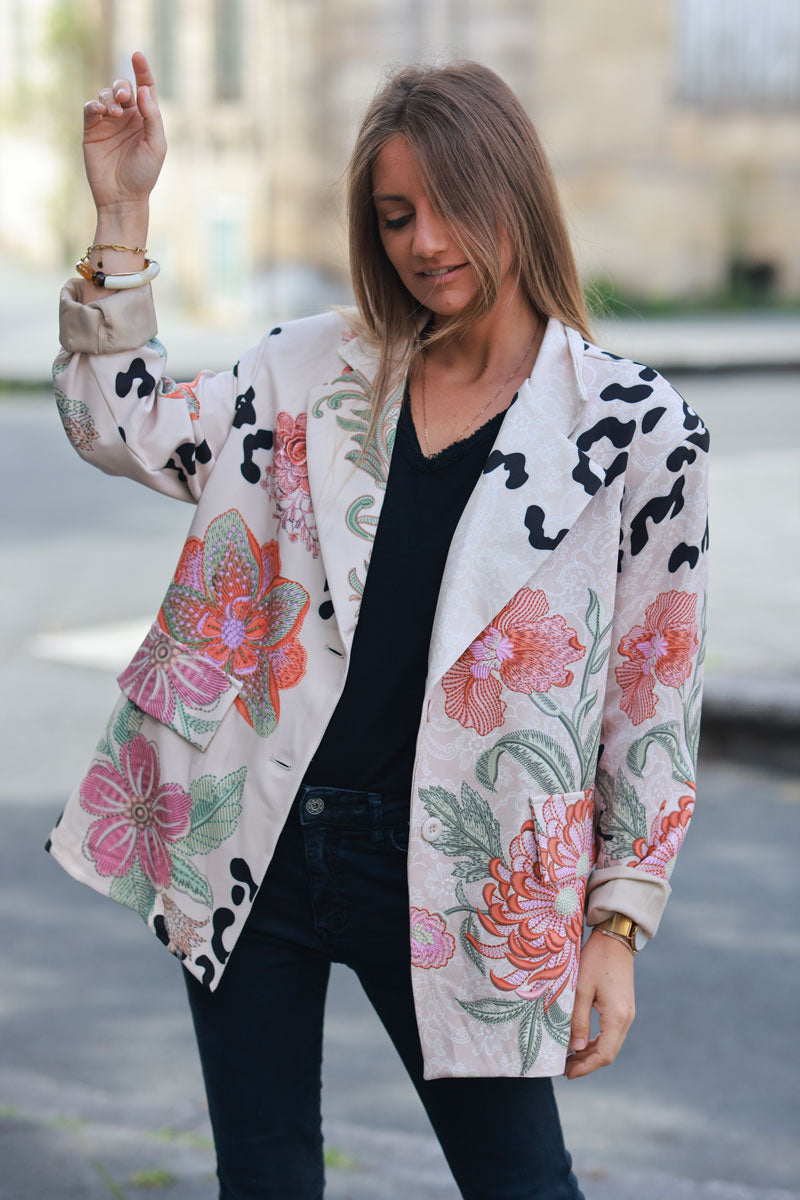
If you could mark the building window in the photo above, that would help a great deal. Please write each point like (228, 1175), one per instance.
(228, 49)
(737, 54)
(165, 55)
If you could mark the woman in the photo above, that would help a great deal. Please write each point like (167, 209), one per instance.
(484, 740)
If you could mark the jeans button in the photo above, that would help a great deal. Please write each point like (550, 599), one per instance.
(315, 804)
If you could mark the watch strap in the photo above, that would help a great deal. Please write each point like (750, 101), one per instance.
(623, 928)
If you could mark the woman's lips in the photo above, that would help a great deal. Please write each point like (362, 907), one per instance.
(441, 274)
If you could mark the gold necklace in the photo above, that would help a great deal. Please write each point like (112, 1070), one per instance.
(502, 387)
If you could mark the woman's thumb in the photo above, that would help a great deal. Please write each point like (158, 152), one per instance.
(150, 112)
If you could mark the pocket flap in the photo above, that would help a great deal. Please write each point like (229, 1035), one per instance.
(178, 687)
(565, 837)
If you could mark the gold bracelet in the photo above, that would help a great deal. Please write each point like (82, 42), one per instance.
(114, 246)
(618, 938)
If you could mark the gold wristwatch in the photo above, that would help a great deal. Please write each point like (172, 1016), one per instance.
(625, 930)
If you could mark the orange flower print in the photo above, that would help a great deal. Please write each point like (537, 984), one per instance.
(229, 601)
(535, 907)
(186, 392)
(524, 649)
(666, 837)
(660, 650)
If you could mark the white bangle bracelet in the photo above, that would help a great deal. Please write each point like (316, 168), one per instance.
(136, 279)
(119, 282)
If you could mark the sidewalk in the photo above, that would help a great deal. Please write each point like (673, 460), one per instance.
(67, 1133)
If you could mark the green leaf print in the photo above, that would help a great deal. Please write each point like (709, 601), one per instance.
(547, 704)
(623, 821)
(529, 1035)
(584, 706)
(284, 604)
(493, 1011)
(474, 956)
(591, 746)
(227, 537)
(186, 878)
(471, 830)
(604, 783)
(216, 808)
(558, 1023)
(542, 756)
(134, 890)
(359, 520)
(127, 723)
(593, 615)
(668, 737)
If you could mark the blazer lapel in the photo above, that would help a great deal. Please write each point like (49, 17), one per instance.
(347, 499)
(535, 485)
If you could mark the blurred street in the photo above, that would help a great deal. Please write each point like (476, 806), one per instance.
(100, 1087)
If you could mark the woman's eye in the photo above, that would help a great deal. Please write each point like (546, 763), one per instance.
(396, 222)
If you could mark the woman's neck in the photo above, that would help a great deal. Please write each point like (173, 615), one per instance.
(491, 345)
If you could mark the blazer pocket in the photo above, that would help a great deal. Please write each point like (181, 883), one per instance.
(178, 687)
(564, 835)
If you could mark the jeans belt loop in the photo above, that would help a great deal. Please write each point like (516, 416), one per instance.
(375, 826)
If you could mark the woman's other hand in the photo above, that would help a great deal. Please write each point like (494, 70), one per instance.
(605, 982)
(123, 141)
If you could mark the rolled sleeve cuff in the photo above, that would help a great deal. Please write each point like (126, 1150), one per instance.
(121, 321)
(628, 891)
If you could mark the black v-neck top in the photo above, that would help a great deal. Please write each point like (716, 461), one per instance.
(370, 741)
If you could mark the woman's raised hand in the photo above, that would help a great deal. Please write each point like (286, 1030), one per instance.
(123, 141)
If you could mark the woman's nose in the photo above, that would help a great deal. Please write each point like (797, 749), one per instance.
(430, 235)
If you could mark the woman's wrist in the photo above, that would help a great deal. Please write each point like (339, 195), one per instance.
(126, 225)
(118, 225)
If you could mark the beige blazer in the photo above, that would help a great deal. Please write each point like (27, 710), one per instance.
(554, 771)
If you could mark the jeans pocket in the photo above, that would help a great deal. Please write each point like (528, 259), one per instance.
(398, 839)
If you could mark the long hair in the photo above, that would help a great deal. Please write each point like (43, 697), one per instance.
(485, 171)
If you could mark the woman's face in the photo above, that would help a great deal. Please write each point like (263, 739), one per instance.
(418, 244)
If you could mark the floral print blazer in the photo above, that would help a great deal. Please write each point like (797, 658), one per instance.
(554, 771)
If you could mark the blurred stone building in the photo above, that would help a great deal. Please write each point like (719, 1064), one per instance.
(673, 126)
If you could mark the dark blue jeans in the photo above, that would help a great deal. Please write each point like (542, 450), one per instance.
(336, 891)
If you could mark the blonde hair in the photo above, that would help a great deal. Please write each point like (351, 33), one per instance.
(484, 170)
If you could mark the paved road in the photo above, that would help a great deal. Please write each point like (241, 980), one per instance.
(96, 1054)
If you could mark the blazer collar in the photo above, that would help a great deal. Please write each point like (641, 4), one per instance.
(534, 486)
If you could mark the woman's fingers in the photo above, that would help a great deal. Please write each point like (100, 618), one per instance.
(142, 72)
(124, 93)
(601, 1051)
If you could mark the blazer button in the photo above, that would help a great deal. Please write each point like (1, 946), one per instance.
(431, 829)
(315, 804)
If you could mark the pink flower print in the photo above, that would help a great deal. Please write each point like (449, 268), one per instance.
(661, 650)
(288, 481)
(535, 907)
(139, 816)
(524, 649)
(161, 670)
(431, 945)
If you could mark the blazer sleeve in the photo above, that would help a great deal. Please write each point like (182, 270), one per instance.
(645, 780)
(120, 410)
